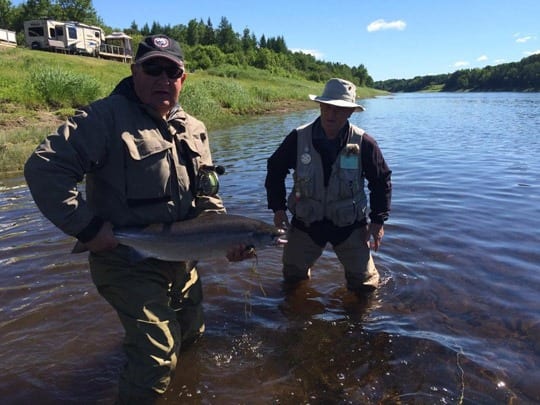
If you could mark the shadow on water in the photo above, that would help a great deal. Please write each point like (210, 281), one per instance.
(315, 348)
(287, 348)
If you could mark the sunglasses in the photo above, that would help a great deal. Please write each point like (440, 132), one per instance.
(172, 71)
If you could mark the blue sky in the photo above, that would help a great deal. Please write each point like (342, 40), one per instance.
(392, 38)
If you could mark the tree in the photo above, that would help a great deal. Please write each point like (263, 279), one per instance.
(209, 36)
(133, 29)
(249, 42)
(65, 10)
(262, 41)
(77, 10)
(145, 30)
(30, 10)
(265, 59)
(277, 45)
(5, 14)
(515, 76)
(226, 38)
(361, 75)
(204, 57)
(34, 9)
(193, 33)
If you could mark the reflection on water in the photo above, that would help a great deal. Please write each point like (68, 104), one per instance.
(457, 319)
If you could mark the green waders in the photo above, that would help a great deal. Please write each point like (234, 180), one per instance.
(160, 306)
(301, 252)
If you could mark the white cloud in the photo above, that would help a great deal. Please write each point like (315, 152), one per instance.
(380, 24)
(499, 61)
(522, 40)
(529, 53)
(461, 63)
(482, 58)
(313, 52)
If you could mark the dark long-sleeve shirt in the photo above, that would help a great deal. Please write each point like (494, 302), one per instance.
(374, 167)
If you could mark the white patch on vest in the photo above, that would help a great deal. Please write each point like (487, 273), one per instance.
(305, 158)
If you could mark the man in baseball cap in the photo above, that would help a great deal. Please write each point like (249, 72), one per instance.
(141, 154)
(158, 73)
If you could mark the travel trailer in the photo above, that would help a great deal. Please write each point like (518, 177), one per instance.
(61, 36)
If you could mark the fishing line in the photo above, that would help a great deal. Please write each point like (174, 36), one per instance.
(462, 376)
(247, 295)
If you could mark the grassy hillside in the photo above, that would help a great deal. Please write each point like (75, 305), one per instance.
(39, 89)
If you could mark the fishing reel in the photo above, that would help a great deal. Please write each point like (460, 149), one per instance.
(208, 181)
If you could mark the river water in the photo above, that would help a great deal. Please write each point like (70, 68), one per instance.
(457, 319)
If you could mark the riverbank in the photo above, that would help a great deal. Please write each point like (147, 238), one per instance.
(39, 90)
(20, 136)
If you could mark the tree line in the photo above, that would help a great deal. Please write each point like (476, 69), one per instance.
(207, 46)
(516, 76)
(204, 45)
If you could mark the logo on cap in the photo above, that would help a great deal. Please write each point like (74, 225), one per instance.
(161, 42)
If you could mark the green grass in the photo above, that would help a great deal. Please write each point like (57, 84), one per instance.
(434, 88)
(38, 89)
(14, 152)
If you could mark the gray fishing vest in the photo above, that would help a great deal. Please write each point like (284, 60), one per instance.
(343, 201)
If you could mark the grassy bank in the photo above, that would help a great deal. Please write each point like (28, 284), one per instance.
(39, 89)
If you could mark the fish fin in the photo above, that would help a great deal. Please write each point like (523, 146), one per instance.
(79, 247)
(134, 255)
(281, 241)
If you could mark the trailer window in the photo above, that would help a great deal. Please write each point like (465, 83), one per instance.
(59, 31)
(72, 33)
(35, 32)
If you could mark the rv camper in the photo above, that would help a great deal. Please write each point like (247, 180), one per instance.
(61, 36)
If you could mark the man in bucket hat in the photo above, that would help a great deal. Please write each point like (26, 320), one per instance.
(141, 155)
(332, 159)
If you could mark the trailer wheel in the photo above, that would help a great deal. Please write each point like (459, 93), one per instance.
(35, 45)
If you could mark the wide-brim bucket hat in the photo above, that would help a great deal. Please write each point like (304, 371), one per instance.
(339, 92)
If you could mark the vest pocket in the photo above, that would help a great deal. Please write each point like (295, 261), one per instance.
(304, 211)
(343, 213)
(307, 210)
(147, 172)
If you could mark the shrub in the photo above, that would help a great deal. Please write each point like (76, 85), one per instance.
(62, 88)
